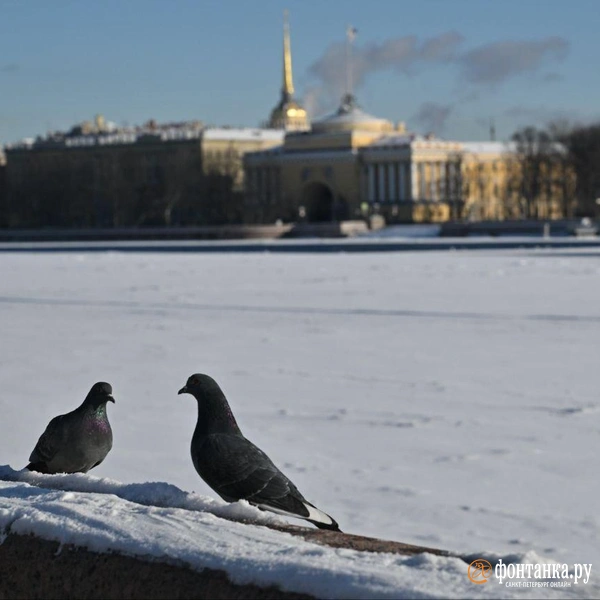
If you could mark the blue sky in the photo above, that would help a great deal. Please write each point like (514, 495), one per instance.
(446, 66)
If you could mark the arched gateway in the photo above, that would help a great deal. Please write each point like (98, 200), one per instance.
(318, 202)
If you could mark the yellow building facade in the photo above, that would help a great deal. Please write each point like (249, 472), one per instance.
(351, 165)
(97, 175)
(502, 182)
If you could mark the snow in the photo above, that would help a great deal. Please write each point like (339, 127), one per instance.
(489, 147)
(446, 399)
(406, 238)
(403, 231)
(199, 539)
(354, 116)
(156, 520)
(243, 134)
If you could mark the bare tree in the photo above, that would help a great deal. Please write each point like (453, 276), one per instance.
(582, 144)
(545, 174)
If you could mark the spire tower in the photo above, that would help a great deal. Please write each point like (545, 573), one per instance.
(288, 114)
(287, 90)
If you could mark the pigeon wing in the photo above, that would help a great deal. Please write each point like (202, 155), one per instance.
(238, 470)
(50, 441)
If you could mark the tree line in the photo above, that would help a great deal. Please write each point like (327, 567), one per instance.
(570, 154)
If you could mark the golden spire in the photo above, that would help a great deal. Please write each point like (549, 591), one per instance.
(288, 114)
(288, 85)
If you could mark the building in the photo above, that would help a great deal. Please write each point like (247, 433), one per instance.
(2, 189)
(349, 165)
(507, 181)
(100, 175)
(352, 165)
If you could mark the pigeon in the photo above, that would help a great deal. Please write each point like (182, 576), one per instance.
(78, 441)
(234, 467)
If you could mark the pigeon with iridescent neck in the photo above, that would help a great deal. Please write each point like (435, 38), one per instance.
(78, 441)
(234, 467)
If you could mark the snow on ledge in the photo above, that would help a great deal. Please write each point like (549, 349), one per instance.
(157, 494)
(161, 521)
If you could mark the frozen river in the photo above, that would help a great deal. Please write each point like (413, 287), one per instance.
(448, 399)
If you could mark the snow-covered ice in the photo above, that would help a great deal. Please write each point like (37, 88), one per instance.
(447, 399)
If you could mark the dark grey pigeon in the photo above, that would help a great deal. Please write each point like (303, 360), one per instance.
(234, 467)
(78, 441)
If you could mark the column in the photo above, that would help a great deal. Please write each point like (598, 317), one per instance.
(277, 185)
(254, 185)
(451, 180)
(382, 196)
(371, 183)
(265, 183)
(274, 184)
(414, 181)
(422, 182)
(267, 171)
(392, 182)
(401, 181)
(433, 181)
(260, 172)
(443, 181)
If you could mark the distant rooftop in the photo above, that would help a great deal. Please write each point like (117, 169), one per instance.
(349, 116)
(507, 147)
(242, 133)
(103, 133)
(489, 147)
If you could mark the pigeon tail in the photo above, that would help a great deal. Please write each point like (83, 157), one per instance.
(320, 519)
(333, 526)
(315, 516)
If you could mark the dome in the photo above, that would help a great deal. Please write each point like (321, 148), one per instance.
(289, 115)
(288, 109)
(349, 117)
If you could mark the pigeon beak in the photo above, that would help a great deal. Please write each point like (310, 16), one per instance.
(183, 390)
(110, 398)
